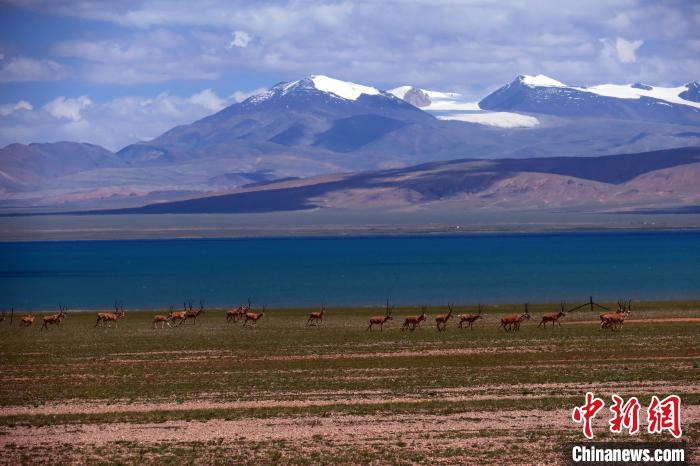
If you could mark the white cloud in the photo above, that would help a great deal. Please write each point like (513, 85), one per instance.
(30, 69)
(7, 109)
(69, 109)
(241, 39)
(112, 124)
(208, 100)
(626, 49)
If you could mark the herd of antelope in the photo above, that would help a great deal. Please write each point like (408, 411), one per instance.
(612, 320)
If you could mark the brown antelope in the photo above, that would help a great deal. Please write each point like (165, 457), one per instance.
(54, 319)
(254, 317)
(162, 320)
(109, 317)
(441, 319)
(413, 322)
(192, 314)
(178, 315)
(232, 315)
(554, 317)
(469, 318)
(615, 320)
(27, 321)
(316, 318)
(513, 322)
(380, 320)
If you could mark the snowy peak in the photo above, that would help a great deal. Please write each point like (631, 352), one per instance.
(433, 101)
(335, 87)
(539, 81)
(691, 92)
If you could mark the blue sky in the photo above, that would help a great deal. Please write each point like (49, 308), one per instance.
(112, 73)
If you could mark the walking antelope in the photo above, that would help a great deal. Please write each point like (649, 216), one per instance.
(109, 317)
(232, 315)
(162, 320)
(554, 317)
(441, 319)
(54, 318)
(615, 320)
(413, 322)
(513, 322)
(380, 320)
(316, 318)
(469, 318)
(192, 314)
(254, 317)
(178, 315)
(27, 320)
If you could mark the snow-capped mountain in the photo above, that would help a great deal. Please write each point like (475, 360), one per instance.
(544, 95)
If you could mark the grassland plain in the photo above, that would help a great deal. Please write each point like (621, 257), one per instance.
(217, 393)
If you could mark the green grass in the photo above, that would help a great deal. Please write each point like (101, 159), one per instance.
(282, 359)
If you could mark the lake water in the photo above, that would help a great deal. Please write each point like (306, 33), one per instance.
(489, 268)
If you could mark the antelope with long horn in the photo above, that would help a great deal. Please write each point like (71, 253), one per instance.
(232, 315)
(554, 318)
(441, 319)
(178, 316)
(469, 318)
(615, 320)
(192, 314)
(254, 317)
(316, 318)
(109, 317)
(512, 322)
(413, 322)
(381, 320)
(54, 319)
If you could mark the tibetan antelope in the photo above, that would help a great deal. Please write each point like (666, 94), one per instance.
(27, 321)
(469, 318)
(162, 320)
(109, 317)
(513, 322)
(192, 314)
(54, 319)
(615, 320)
(178, 315)
(441, 319)
(232, 315)
(554, 318)
(316, 318)
(254, 317)
(413, 322)
(380, 320)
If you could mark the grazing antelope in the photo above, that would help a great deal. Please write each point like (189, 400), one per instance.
(54, 318)
(469, 318)
(554, 318)
(254, 317)
(232, 315)
(316, 318)
(615, 320)
(192, 314)
(109, 317)
(380, 320)
(27, 321)
(513, 322)
(441, 319)
(413, 322)
(162, 320)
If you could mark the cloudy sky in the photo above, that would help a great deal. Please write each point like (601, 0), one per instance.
(113, 73)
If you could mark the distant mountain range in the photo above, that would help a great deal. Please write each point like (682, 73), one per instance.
(320, 126)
